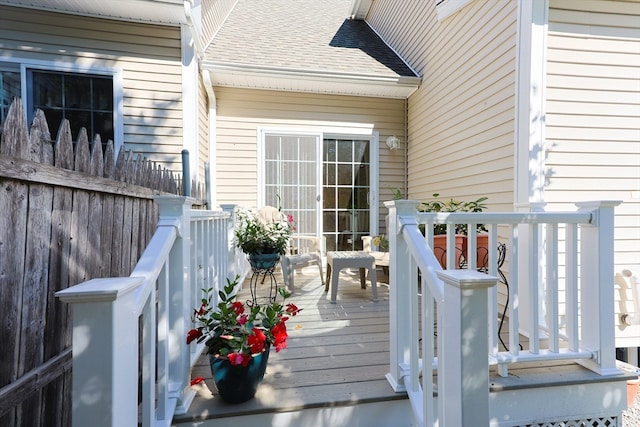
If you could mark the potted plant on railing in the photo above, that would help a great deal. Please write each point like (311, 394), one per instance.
(238, 339)
(261, 239)
(461, 230)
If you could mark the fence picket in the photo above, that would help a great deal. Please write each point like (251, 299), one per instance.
(63, 221)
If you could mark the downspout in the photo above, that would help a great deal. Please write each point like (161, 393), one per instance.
(192, 53)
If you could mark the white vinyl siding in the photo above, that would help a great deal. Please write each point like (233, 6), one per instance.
(241, 112)
(147, 55)
(593, 110)
(461, 120)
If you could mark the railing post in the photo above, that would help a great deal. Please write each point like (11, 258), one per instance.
(597, 287)
(463, 371)
(174, 210)
(401, 290)
(105, 379)
(237, 262)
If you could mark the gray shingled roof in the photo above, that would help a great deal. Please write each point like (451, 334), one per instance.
(306, 35)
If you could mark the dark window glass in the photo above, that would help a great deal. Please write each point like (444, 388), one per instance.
(83, 99)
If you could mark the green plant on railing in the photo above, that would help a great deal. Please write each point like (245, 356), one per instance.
(453, 205)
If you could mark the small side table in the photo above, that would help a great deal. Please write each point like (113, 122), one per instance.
(337, 260)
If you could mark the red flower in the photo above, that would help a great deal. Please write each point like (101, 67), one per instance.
(256, 341)
(196, 380)
(237, 359)
(238, 308)
(292, 309)
(193, 334)
(202, 309)
(280, 336)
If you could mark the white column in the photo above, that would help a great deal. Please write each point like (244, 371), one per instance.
(105, 356)
(597, 287)
(464, 368)
(400, 292)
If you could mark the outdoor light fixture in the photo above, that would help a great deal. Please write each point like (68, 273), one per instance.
(393, 142)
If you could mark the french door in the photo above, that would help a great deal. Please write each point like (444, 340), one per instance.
(324, 182)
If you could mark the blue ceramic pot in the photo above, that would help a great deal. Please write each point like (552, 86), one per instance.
(263, 261)
(237, 384)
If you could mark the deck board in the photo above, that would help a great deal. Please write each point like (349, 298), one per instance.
(338, 355)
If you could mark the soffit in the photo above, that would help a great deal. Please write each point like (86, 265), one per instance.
(167, 12)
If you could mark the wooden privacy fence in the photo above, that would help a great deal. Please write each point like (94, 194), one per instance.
(66, 216)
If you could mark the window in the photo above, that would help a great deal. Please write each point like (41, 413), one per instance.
(85, 100)
(9, 88)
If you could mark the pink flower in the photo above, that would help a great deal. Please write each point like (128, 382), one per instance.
(237, 359)
(242, 319)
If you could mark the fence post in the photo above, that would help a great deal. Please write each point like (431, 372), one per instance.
(400, 293)
(463, 397)
(104, 385)
(174, 211)
(597, 287)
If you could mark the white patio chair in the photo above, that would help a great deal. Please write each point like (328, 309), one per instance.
(304, 251)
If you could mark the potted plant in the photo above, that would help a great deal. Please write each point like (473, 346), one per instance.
(239, 337)
(263, 240)
(461, 231)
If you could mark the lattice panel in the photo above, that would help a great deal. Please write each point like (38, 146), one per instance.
(589, 422)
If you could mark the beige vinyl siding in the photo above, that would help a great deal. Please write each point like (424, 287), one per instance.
(203, 133)
(241, 112)
(593, 113)
(461, 120)
(213, 15)
(148, 55)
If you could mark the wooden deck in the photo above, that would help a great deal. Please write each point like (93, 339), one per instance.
(338, 356)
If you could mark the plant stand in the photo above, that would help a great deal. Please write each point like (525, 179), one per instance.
(261, 270)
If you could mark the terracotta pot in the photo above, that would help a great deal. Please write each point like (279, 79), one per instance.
(440, 249)
(482, 250)
(632, 391)
(461, 245)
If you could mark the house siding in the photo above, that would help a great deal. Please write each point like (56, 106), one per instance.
(240, 112)
(147, 55)
(593, 110)
(204, 147)
(461, 120)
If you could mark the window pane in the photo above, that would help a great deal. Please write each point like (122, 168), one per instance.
(103, 94)
(9, 89)
(77, 92)
(47, 90)
(85, 100)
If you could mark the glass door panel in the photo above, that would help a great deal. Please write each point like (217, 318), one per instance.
(291, 178)
(346, 176)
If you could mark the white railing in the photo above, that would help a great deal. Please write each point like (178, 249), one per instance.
(559, 272)
(122, 323)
